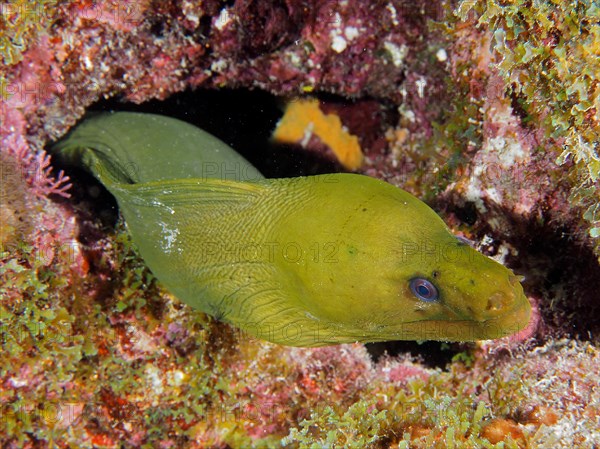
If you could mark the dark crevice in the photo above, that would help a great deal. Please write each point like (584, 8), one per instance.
(563, 272)
(432, 354)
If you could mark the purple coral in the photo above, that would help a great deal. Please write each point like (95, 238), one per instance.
(33, 166)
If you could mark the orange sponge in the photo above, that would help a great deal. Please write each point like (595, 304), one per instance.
(304, 118)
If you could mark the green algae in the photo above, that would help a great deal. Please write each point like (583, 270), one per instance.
(21, 23)
(358, 427)
(37, 337)
(426, 415)
(549, 57)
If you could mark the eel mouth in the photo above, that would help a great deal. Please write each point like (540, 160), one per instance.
(508, 323)
(459, 329)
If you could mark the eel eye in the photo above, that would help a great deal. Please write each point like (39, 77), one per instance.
(424, 290)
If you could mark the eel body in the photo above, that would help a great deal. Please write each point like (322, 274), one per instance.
(306, 261)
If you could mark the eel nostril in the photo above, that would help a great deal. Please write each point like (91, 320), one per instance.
(514, 279)
(497, 302)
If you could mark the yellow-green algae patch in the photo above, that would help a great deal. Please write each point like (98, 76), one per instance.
(21, 23)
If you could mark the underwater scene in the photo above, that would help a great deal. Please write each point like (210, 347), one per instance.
(303, 224)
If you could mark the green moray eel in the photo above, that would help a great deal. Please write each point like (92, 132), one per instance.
(306, 261)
